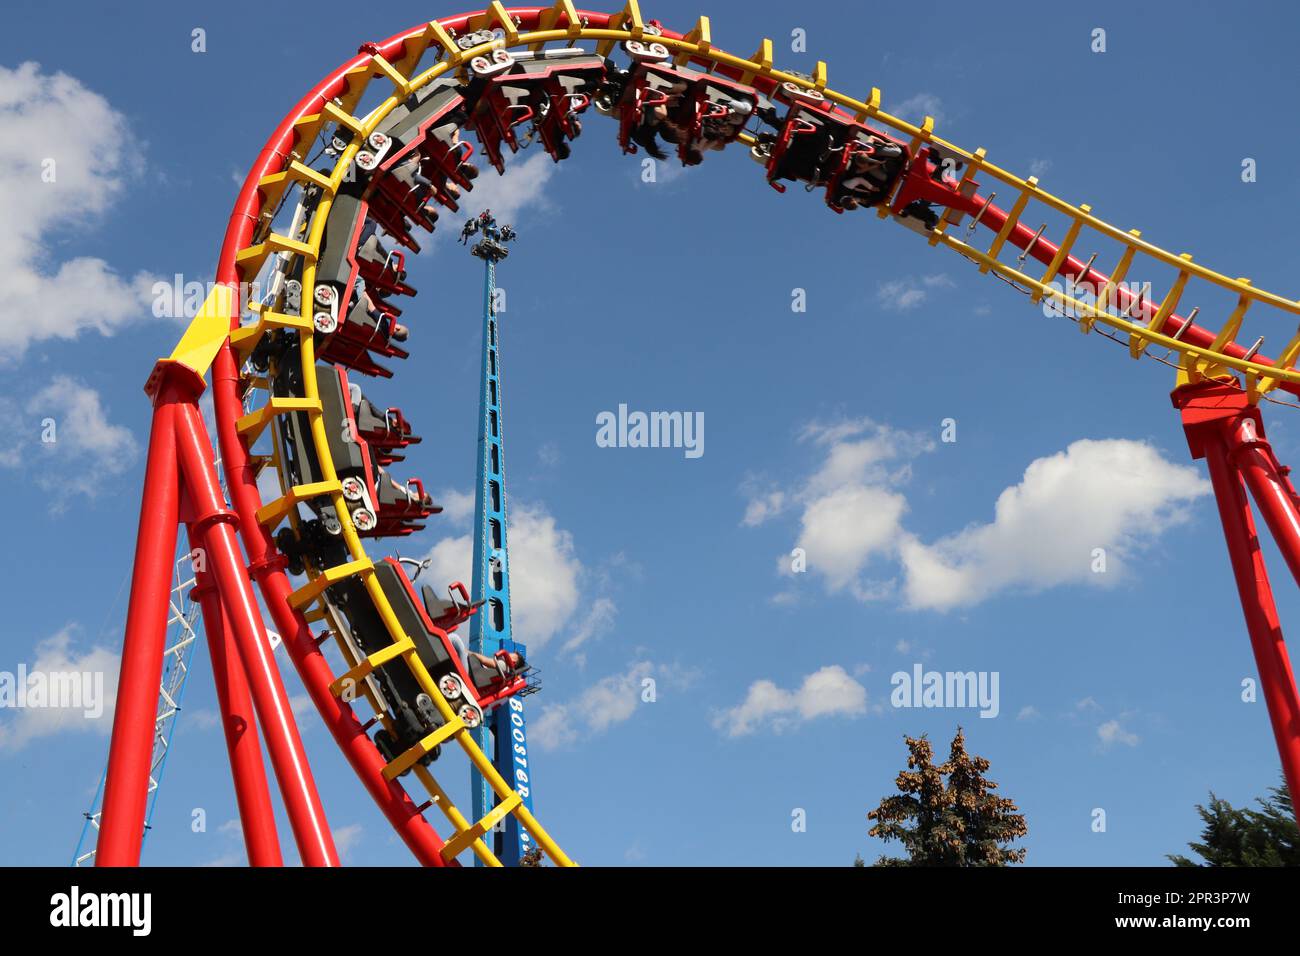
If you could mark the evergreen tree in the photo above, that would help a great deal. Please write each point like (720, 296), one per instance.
(985, 819)
(1245, 837)
(957, 822)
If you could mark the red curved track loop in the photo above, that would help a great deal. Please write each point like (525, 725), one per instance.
(199, 507)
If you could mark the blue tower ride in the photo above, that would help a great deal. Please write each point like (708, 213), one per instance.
(503, 735)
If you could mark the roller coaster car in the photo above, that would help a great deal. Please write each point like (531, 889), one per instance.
(362, 333)
(428, 163)
(427, 128)
(384, 432)
(427, 621)
(695, 111)
(377, 505)
(548, 89)
(350, 228)
(820, 146)
(931, 181)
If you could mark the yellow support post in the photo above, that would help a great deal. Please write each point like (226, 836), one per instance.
(254, 423)
(701, 37)
(819, 76)
(461, 841)
(207, 332)
(272, 513)
(317, 585)
(1062, 252)
(409, 758)
(368, 666)
(1116, 277)
(1136, 344)
(549, 20)
(498, 14)
(872, 106)
(1285, 361)
(762, 60)
(1013, 217)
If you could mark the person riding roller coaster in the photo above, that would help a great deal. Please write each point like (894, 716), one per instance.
(506, 664)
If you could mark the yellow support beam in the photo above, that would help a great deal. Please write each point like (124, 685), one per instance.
(702, 39)
(380, 66)
(870, 108)
(1062, 252)
(1232, 328)
(316, 586)
(819, 76)
(1013, 217)
(342, 117)
(207, 331)
(410, 757)
(368, 666)
(461, 841)
(762, 59)
(1285, 360)
(1136, 344)
(272, 513)
(251, 260)
(245, 338)
(254, 423)
(1116, 277)
(498, 14)
(438, 33)
(549, 20)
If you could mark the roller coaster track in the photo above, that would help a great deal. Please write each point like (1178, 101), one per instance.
(220, 339)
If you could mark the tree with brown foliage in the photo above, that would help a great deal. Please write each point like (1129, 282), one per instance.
(532, 858)
(956, 821)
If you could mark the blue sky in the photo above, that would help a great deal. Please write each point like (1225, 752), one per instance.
(1118, 691)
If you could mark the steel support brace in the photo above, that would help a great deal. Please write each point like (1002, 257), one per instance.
(126, 786)
(1226, 430)
(256, 814)
(179, 454)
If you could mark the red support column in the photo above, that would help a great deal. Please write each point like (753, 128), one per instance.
(134, 720)
(1252, 455)
(217, 538)
(256, 813)
(1214, 418)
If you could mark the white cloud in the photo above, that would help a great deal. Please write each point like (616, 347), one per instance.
(1028, 712)
(915, 108)
(908, 292)
(544, 573)
(1115, 494)
(347, 838)
(1112, 732)
(523, 185)
(851, 513)
(1039, 166)
(93, 712)
(823, 693)
(85, 449)
(844, 529)
(762, 507)
(610, 701)
(52, 117)
(457, 506)
(595, 623)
